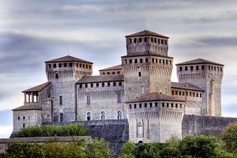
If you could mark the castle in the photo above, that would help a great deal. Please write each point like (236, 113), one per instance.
(138, 90)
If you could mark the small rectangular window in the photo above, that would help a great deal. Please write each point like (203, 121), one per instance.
(19, 118)
(139, 74)
(88, 100)
(119, 98)
(60, 100)
(23, 117)
(24, 125)
(61, 117)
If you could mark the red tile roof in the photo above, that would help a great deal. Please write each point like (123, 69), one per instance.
(37, 88)
(68, 58)
(154, 97)
(198, 61)
(117, 67)
(32, 106)
(185, 86)
(146, 33)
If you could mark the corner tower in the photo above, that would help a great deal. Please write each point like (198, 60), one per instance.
(147, 67)
(208, 76)
(63, 73)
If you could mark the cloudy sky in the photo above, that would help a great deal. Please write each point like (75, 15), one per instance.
(33, 31)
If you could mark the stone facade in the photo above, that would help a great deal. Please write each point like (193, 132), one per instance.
(139, 91)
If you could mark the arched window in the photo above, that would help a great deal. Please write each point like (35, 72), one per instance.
(102, 115)
(119, 115)
(88, 116)
(139, 130)
(130, 61)
(146, 60)
(56, 75)
(141, 61)
(54, 65)
(135, 61)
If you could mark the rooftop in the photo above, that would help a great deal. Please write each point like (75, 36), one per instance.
(37, 88)
(154, 97)
(91, 79)
(117, 67)
(32, 106)
(68, 58)
(186, 86)
(198, 61)
(146, 33)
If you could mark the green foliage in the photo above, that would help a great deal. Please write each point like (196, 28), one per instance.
(170, 152)
(229, 138)
(128, 150)
(53, 130)
(96, 148)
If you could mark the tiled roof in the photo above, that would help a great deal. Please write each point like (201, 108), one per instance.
(68, 58)
(186, 86)
(146, 33)
(38, 88)
(90, 79)
(199, 61)
(32, 106)
(154, 97)
(117, 67)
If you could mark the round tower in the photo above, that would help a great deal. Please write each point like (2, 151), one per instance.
(63, 73)
(208, 76)
(147, 67)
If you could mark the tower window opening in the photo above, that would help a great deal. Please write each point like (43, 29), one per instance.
(130, 106)
(80, 65)
(139, 74)
(140, 40)
(153, 60)
(114, 84)
(170, 62)
(197, 67)
(190, 94)
(56, 76)
(103, 84)
(24, 118)
(83, 65)
(135, 40)
(135, 61)
(180, 105)
(193, 94)
(172, 105)
(49, 65)
(113, 72)
(162, 41)
(61, 117)
(145, 39)
(120, 83)
(150, 105)
(141, 60)
(118, 72)
(91, 85)
(102, 115)
(163, 104)
(86, 85)
(119, 98)
(191, 68)
(176, 92)
(119, 115)
(76, 64)
(151, 39)
(183, 94)
(103, 73)
(180, 68)
(24, 125)
(140, 105)
(172, 92)
(156, 60)
(155, 40)
(108, 73)
(135, 106)
(197, 95)
(80, 85)
(160, 61)
(19, 118)
(60, 100)
(166, 62)
(163, 61)
(86, 66)
(88, 116)
(179, 92)
(176, 105)
(54, 65)
(89, 66)
(108, 84)
(125, 61)
(146, 60)
(158, 41)
(130, 40)
(156, 104)
(59, 65)
(70, 64)
(220, 68)
(97, 84)
(202, 67)
(165, 42)
(186, 68)
(145, 105)
(200, 95)
(130, 61)
(167, 105)
(88, 100)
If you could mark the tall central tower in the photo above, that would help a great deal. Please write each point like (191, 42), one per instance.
(147, 66)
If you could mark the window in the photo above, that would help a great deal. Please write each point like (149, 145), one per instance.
(88, 100)
(61, 117)
(197, 67)
(140, 130)
(23, 117)
(103, 84)
(91, 85)
(135, 61)
(102, 115)
(88, 116)
(146, 60)
(119, 115)
(70, 64)
(49, 65)
(139, 74)
(56, 76)
(141, 60)
(135, 106)
(59, 65)
(86, 85)
(97, 84)
(24, 125)
(130, 61)
(172, 105)
(60, 100)
(140, 105)
(167, 105)
(114, 84)
(150, 105)
(156, 104)
(120, 83)
(145, 105)
(140, 40)
(176, 105)
(145, 39)
(108, 84)
(202, 67)
(180, 105)
(186, 68)
(135, 40)
(191, 68)
(19, 118)
(113, 72)
(119, 98)
(130, 106)
(65, 64)
(118, 72)
(163, 104)
(54, 65)
(180, 68)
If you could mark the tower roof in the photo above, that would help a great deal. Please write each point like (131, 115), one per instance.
(117, 67)
(28, 107)
(37, 88)
(146, 33)
(198, 61)
(154, 97)
(68, 58)
(91, 79)
(186, 86)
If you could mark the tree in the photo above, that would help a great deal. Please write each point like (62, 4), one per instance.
(229, 137)
(128, 150)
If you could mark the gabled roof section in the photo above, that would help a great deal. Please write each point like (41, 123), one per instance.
(91, 79)
(198, 61)
(68, 58)
(28, 107)
(146, 33)
(117, 67)
(154, 97)
(38, 88)
(185, 86)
